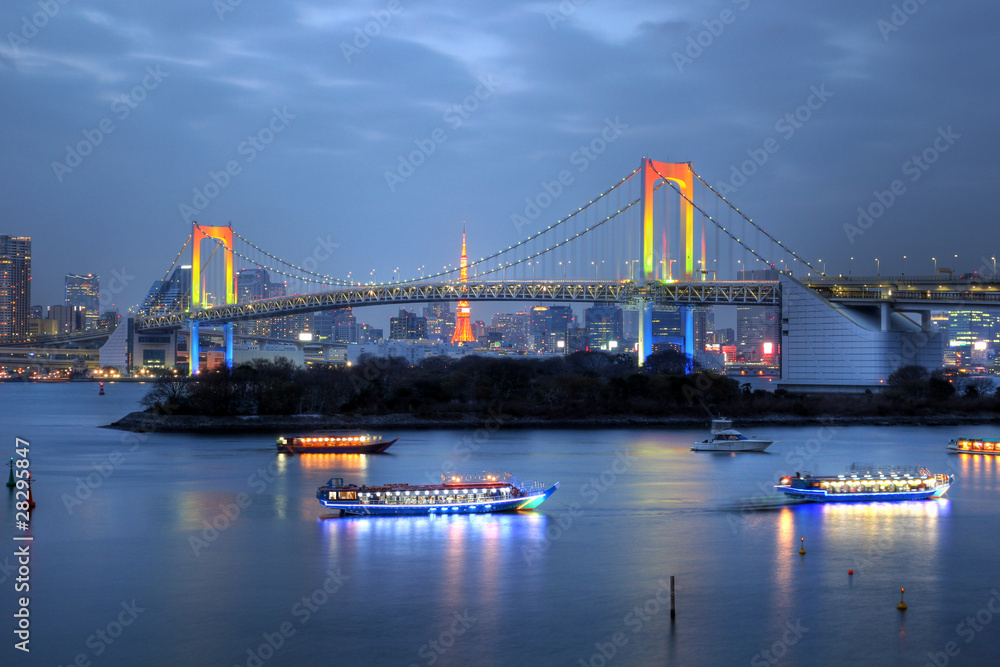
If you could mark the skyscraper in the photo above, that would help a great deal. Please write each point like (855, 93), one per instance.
(85, 292)
(15, 287)
(169, 295)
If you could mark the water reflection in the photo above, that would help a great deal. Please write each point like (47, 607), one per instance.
(338, 462)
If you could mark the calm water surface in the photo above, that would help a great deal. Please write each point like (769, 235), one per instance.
(123, 534)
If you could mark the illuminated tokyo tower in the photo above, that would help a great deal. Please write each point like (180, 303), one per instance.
(463, 327)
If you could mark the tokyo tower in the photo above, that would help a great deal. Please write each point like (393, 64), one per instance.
(463, 327)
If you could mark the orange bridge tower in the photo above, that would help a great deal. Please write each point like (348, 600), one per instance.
(463, 327)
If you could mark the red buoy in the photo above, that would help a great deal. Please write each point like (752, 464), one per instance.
(850, 572)
(31, 500)
(101, 392)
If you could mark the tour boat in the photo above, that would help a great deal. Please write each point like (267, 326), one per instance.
(456, 494)
(866, 483)
(727, 439)
(334, 442)
(974, 446)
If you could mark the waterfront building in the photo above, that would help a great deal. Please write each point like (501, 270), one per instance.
(169, 295)
(15, 287)
(758, 332)
(85, 291)
(69, 319)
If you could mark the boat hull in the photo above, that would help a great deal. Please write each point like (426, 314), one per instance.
(821, 495)
(528, 502)
(732, 446)
(371, 448)
(994, 447)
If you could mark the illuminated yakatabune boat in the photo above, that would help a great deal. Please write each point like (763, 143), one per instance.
(974, 446)
(334, 442)
(868, 483)
(456, 494)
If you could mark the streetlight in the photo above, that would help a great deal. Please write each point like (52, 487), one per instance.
(878, 271)
(994, 267)
(850, 268)
(935, 266)
(824, 265)
(631, 270)
(902, 266)
(374, 277)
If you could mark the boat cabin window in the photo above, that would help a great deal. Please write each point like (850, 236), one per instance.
(343, 495)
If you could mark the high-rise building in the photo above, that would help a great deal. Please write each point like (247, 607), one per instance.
(407, 326)
(71, 319)
(169, 295)
(604, 323)
(15, 287)
(758, 329)
(440, 321)
(514, 329)
(549, 325)
(85, 292)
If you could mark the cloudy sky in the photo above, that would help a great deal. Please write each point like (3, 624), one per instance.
(115, 115)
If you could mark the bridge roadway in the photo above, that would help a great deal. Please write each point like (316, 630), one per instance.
(928, 291)
(760, 293)
(900, 290)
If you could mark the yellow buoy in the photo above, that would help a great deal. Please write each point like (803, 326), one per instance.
(902, 605)
(802, 550)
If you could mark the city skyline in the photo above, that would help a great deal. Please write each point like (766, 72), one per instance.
(299, 128)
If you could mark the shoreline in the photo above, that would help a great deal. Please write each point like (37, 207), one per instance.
(147, 422)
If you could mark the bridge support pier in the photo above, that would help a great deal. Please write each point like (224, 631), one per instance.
(645, 332)
(687, 320)
(229, 345)
(885, 310)
(193, 351)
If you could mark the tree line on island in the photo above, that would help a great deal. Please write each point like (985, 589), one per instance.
(576, 386)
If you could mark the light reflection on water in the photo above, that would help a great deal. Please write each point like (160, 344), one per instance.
(545, 587)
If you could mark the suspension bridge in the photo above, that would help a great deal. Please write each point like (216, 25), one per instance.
(659, 236)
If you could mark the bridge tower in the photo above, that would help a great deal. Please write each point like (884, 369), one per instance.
(463, 325)
(681, 174)
(225, 236)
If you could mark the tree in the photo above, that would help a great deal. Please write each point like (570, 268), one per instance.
(669, 362)
(909, 380)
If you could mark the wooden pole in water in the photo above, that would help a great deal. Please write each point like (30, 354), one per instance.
(673, 610)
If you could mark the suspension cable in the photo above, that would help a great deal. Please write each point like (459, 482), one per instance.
(756, 226)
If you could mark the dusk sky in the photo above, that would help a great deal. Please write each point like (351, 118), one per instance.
(169, 93)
